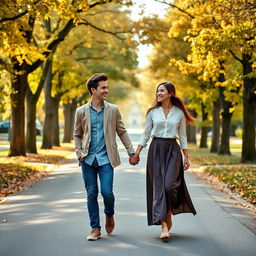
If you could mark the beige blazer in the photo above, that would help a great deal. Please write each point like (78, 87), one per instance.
(112, 125)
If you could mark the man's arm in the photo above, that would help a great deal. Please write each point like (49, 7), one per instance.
(122, 133)
(77, 134)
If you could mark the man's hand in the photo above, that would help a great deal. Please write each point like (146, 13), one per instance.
(134, 159)
(81, 159)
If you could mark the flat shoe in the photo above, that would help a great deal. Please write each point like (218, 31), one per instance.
(94, 235)
(165, 236)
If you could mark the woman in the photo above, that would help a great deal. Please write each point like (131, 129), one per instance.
(167, 193)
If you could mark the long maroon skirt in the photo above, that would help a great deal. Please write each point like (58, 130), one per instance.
(166, 187)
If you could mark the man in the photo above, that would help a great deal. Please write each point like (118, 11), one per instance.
(96, 125)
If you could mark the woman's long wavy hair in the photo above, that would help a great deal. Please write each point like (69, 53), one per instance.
(175, 101)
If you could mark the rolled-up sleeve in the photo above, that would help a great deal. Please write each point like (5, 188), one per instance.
(147, 132)
(182, 133)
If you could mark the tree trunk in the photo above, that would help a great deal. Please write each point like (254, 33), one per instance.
(225, 146)
(215, 126)
(226, 116)
(56, 128)
(17, 144)
(49, 113)
(31, 100)
(226, 121)
(31, 124)
(69, 113)
(249, 112)
(191, 130)
(9, 131)
(56, 104)
(203, 139)
(191, 134)
(19, 86)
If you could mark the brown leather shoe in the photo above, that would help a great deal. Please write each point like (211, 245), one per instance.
(110, 224)
(94, 235)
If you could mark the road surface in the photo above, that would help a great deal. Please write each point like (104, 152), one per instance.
(50, 219)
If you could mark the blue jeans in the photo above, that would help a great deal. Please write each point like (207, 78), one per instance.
(90, 176)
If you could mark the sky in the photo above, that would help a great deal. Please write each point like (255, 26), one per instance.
(150, 8)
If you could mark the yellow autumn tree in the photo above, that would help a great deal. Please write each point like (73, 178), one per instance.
(20, 53)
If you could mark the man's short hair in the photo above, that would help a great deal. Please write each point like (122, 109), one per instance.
(93, 81)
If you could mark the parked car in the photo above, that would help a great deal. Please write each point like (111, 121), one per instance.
(4, 127)
(209, 134)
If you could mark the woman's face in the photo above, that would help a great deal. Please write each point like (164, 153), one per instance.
(162, 94)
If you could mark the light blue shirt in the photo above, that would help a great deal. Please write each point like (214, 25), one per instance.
(97, 146)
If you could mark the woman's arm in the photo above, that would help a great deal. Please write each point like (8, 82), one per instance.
(147, 131)
(186, 160)
(183, 141)
(143, 139)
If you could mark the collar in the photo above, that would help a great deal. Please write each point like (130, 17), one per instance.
(102, 106)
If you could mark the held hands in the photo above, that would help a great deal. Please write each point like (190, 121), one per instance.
(134, 159)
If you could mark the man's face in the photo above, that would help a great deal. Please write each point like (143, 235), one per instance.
(101, 91)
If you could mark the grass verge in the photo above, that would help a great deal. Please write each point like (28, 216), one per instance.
(19, 171)
(239, 179)
(14, 177)
(212, 159)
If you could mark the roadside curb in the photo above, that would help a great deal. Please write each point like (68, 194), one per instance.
(223, 187)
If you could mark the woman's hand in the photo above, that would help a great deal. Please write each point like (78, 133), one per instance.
(186, 163)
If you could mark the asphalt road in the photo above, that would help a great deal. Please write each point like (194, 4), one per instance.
(50, 219)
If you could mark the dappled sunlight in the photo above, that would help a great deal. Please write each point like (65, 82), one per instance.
(68, 210)
(136, 170)
(123, 198)
(133, 213)
(58, 203)
(78, 192)
(123, 245)
(198, 185)
(201, 198)
(41, 221)
(96, 250)
(24, 197)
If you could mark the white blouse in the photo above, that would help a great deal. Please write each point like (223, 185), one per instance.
(174, 126)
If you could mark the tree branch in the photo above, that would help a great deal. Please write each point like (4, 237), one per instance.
(101, 12)
(95, 4)
(55, 73)
(60, 37)
(233, 54)
(53, 45)
(75, 47)
(175, 6)
(91, 58)
(40, 86)
(14, 17)
(56, 27)
(85, 22)
(18, 15)
(72, 87)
